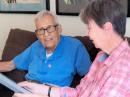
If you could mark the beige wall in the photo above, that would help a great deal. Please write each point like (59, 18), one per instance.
(71, 24)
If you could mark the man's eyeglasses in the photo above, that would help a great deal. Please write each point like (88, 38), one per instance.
(49, 29)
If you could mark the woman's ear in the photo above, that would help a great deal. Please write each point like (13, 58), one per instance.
(108, 26)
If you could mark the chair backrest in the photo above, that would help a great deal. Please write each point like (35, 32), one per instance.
(18, 40)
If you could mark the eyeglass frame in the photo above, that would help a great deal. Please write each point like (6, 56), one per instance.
(45, 29)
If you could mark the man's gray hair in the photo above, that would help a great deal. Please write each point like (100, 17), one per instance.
(43, 13)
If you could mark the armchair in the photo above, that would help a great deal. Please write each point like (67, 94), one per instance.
(18, 40)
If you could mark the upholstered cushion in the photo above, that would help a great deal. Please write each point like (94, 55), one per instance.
(17, 41)
(89, 46)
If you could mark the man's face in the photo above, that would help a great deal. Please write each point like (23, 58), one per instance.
(96, 34)
(48, 32)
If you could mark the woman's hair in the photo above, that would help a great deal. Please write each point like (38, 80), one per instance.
(102, 11)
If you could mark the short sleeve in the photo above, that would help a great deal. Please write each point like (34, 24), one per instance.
(83, 61)
(22, 60)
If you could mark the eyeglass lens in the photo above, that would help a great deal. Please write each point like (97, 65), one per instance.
(49, 29)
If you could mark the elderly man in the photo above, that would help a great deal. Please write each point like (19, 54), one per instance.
(109, 75)
(53, 58)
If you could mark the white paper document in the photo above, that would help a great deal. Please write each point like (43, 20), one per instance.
(12, 85)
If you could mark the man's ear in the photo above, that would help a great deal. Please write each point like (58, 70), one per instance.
(59, 28)
(108, 26)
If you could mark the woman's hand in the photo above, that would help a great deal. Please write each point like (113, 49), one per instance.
(38, 90)
(28, 95)
(35, 88)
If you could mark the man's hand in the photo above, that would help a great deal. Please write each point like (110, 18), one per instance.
(7, 66)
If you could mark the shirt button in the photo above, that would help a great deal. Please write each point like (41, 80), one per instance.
(49, 66)
(45, 61)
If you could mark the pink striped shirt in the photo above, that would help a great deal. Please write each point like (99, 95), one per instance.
(107, 78)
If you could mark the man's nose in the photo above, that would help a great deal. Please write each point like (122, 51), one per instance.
(45, 33)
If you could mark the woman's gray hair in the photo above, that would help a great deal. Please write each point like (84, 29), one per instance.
(43, 13)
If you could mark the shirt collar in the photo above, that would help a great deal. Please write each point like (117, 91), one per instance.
(59, 49)
(57, 52)
(116, 53)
